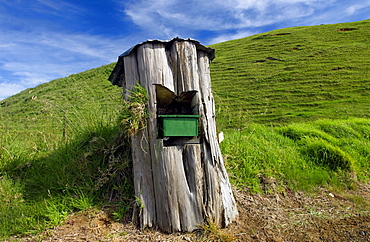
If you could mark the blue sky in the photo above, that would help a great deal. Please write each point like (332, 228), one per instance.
(41, 40)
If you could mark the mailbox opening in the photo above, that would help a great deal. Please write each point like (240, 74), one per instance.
(177, 116)
(178, 125)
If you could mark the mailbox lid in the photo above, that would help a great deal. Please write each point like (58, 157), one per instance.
(178, 125)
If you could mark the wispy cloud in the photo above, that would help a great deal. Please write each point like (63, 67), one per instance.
(28, 59)
(221, 16)
(227, 19)
(34, 51)
(9, 88)
(59, 5)
(231, 36)
(353, 9)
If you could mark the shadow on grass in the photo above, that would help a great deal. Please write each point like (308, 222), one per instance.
(92, 170)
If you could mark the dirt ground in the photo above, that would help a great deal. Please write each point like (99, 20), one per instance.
(281, 216)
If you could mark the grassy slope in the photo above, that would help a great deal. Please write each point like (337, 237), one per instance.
(320, 72)
(52, 112)
(60, 145)
(60, 139)
(44, 107)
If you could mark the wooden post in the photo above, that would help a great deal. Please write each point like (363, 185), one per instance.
(181, 182)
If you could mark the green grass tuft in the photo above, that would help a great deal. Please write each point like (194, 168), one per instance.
(323, 153)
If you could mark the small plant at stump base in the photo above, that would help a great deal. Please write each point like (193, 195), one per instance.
(211, 232)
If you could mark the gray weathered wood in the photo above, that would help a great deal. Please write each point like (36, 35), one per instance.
(185, 185)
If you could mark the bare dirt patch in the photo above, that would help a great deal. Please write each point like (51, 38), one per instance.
(325, 216)
(346, 29)
(280, 216)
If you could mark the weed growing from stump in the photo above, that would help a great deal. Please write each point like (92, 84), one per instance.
(134, 113)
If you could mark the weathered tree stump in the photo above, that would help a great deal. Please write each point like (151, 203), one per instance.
(181, 182)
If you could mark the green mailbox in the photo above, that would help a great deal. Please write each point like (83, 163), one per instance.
(177, 125)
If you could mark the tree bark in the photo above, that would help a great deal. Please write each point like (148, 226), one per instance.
(181, 185)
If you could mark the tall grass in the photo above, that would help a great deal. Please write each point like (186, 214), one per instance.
(79, 160)
(301, 156)
(91, 168)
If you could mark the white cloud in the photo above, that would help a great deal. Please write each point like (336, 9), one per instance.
(169, 18)
(226, 37)
(35, 50)
(356, 7)
(216, 14)
(8, 89)
(58, 5)
(28, 59)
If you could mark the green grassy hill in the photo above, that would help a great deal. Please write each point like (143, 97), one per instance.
(53, 108)
(294, 105)
(294, 74)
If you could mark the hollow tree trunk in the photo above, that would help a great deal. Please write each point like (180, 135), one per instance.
(179, 185)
